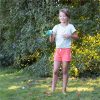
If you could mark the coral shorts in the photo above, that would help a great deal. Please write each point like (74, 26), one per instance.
(62, 54)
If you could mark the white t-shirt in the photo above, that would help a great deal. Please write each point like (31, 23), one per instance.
(58, 31)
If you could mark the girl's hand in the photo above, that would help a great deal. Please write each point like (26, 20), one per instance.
(67, 36)
(51, 38)
(73, 36)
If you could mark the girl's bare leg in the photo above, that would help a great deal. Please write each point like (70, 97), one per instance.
(55, 74)
(65, 66)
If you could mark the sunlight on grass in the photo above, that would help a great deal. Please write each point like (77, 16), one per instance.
(30, 80)
(81, 89)
(3, 75)
(78, 89)
(90, 84)
(42, 86)
(13, 87)
(17, 86)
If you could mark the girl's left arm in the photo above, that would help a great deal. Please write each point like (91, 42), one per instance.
(74, 36)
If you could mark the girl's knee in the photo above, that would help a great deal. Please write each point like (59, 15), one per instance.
(55, 72)
(65, 70)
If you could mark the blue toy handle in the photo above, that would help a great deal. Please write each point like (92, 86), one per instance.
(49, 32)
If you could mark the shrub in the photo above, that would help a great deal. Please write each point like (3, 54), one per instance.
(86, 56)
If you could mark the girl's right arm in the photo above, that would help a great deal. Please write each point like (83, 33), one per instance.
(53, 35)
(52, 38)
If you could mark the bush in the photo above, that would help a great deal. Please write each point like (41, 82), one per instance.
(86, 56)
(42, 68)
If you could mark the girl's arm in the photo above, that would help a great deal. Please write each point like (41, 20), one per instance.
(51, 38)
(73, 36)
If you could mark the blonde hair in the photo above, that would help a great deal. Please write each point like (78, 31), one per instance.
(65, 11)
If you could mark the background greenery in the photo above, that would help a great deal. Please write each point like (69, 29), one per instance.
(23, 43)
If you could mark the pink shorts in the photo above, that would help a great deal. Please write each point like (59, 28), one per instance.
(62, 54)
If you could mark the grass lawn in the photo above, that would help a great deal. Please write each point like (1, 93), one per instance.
(21, 86)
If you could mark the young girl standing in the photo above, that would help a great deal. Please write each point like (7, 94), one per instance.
(63, 33)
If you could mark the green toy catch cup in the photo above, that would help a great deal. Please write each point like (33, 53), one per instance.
(49, 32)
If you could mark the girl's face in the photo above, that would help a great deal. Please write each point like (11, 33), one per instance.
(62, 17)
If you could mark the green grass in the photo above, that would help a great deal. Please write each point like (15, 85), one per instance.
(16, 85)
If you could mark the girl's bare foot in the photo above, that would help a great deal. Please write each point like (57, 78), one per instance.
(65, 93)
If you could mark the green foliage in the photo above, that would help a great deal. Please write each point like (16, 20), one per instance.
(86, 57)
(24, 44)
(41, 68)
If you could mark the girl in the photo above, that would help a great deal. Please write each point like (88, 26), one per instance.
(62, 34)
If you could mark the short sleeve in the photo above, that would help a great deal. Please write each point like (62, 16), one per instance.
(72, 29)
(54, 29)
